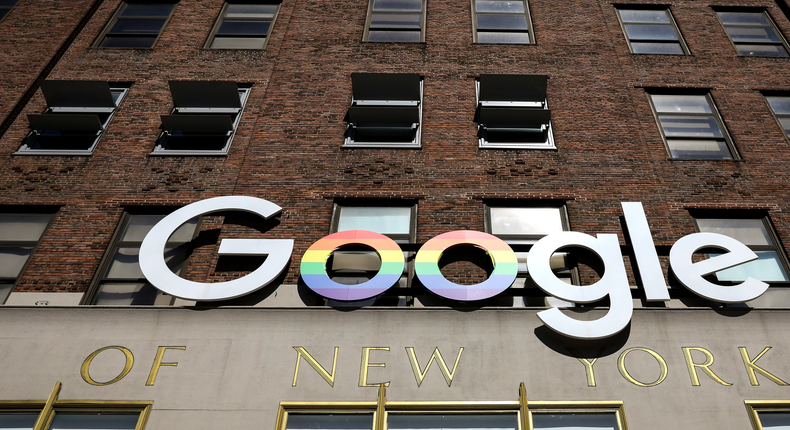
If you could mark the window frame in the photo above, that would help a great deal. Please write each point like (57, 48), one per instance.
(755, 407)
(121, 8)
(772, 24)
(159, 146)
(734, 154)
(776, 246)
(681, 41)
(416, 143)
(777, 116)
(25, 149)
(530, 29)
(7, 9)
(482, 131)
(460, 408)
(221, 19)
(22, 211)
(512, 240)
(115, 243)
(402, 239)
(142, 408)
(369, 17)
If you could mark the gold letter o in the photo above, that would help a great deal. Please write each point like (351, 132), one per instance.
(661, 363)
(126, 369)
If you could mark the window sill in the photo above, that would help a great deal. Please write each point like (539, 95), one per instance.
(737, 160)
(53, 152)
(517, 146)
(659, 55)
(187, 153)
(384, 145)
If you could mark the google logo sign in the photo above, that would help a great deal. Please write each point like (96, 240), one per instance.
(614, 282)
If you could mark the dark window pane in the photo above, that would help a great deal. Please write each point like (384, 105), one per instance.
(656, 48)
(384, 134)
(245, 27)
(394, 36)
(697, 126)
(502, 6)
(516, 135)
(133, 293)
(395, 20)
(3, 12)
(147, 10)
(503, 37)
(452, 421)
(251, 10)
(397, 5)
(762, 50)
(753, 34)
(704, 149)
(8, 3)
(514, 22)
(654, 16)
(754, 18)
(650, 32)
(128, 42)
(580, 421)
(785, 122)
(780, 105)
(238, 42)
(16, 420)
(329, 421)
(53, 140)
(134, 26)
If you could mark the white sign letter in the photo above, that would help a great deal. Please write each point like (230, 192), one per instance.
(690, 274)
(278, 251)
(613, 283)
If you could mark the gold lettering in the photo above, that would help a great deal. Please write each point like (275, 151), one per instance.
(751, 367)
(160, 353)
(419, 375)
(126, 368)
(588, 364)
(704, 366)
(363, 368)
(661, 364)
(328, 377)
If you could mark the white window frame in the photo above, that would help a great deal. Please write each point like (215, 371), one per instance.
(672, 23)
(161, 149)
(771, 24)
(223, 15)
(483, 142)
(417, 127)
(529, 31)
(369, 18)
(25, 148)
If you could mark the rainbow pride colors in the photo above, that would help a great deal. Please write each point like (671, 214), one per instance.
(314, 260)
(505, 265)
(426, 268)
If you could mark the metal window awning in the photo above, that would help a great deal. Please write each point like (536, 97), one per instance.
(386, 86)
(66, 122)
(383, 114)
(513, 117)
(83, 94)
(197, 123)
(205, 94)
(513, 88)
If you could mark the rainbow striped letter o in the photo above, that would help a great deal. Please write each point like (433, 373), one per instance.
(505, 265)
(313, 265)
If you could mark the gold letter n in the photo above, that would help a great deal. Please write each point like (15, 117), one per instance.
(328, 377)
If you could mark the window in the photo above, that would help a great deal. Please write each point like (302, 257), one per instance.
(512, 112)
(243, 25)
(136, 25)
(20, 234)
(769, 414)
(355, 266)
(651, 31)
(759, 236)
(204, 119)
(385, 110)
(77, 114)
(76, 415)
(425, 415)
(119, 280)
(780, 105)
(502, 21)
(753, 33)
(395, 21)
(522, 226)
(691, 126)
(6, 6)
